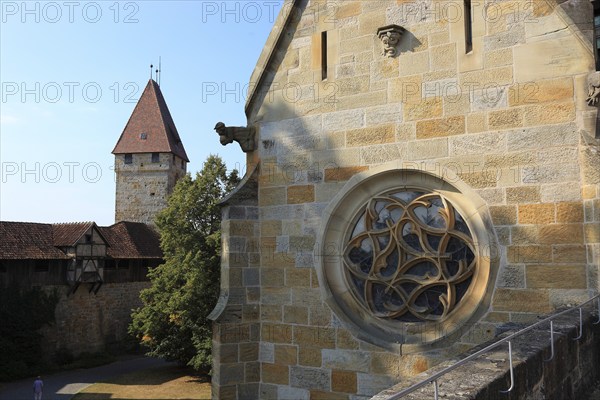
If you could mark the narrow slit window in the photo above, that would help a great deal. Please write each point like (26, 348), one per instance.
(323, 55)
(468, 27)
(597, 32)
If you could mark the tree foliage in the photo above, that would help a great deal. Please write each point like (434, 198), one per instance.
(173, 322)
(23, 312)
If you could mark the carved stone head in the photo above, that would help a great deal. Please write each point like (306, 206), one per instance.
(390, 36)
(223, 133)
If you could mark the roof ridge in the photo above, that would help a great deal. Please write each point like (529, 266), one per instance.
(268, 54)
(25, 222)
(167, 119)
(73, 223)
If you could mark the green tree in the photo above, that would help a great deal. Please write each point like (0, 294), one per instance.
(173, 322)
(22, 313)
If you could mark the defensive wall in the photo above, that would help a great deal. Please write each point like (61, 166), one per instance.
(88, 322)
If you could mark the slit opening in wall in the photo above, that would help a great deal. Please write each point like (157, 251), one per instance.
(468, 27)
(596, 5)
(323, 56)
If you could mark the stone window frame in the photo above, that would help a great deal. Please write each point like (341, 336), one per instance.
(341, 214)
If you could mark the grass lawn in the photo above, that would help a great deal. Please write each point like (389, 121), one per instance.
(170, 382)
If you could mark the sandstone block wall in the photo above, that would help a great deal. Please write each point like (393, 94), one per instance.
(509, 120)
(88, 322)
(143, 186)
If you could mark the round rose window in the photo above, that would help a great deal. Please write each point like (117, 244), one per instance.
(410, 256)
(405, 257)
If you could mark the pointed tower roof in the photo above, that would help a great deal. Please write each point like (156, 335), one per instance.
(150, 128)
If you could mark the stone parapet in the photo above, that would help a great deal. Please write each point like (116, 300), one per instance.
(569, 375)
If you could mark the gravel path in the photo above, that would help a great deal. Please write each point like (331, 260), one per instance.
(63, 385)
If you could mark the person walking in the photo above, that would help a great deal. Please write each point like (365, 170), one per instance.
(38, 385)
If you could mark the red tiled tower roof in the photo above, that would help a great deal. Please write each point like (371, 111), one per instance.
(150, 128)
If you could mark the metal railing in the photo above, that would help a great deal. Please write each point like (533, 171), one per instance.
(435, 377)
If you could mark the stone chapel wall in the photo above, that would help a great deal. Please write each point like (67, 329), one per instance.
(504, 127)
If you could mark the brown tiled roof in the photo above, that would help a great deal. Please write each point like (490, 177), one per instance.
(69, 234)
(25, 240)
(125, 240)
(132, 240)
(151, 116)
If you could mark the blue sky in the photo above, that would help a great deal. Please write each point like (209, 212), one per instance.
(71, 73)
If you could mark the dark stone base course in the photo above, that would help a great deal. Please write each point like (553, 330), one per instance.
(571, 375)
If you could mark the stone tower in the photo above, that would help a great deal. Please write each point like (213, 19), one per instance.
(149, 159)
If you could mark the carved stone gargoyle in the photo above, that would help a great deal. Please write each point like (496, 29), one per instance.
(390, 36)
(243, 135)
(593, 100)
(593, 82)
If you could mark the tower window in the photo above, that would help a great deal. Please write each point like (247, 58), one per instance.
(129, 158)
(182, 165)
(155, 157)
(468, 27)
(143, 136)
(597, 32)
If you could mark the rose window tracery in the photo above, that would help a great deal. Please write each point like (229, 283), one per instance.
(409, 257)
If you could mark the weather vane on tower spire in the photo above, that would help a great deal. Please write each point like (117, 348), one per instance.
(157, 71)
